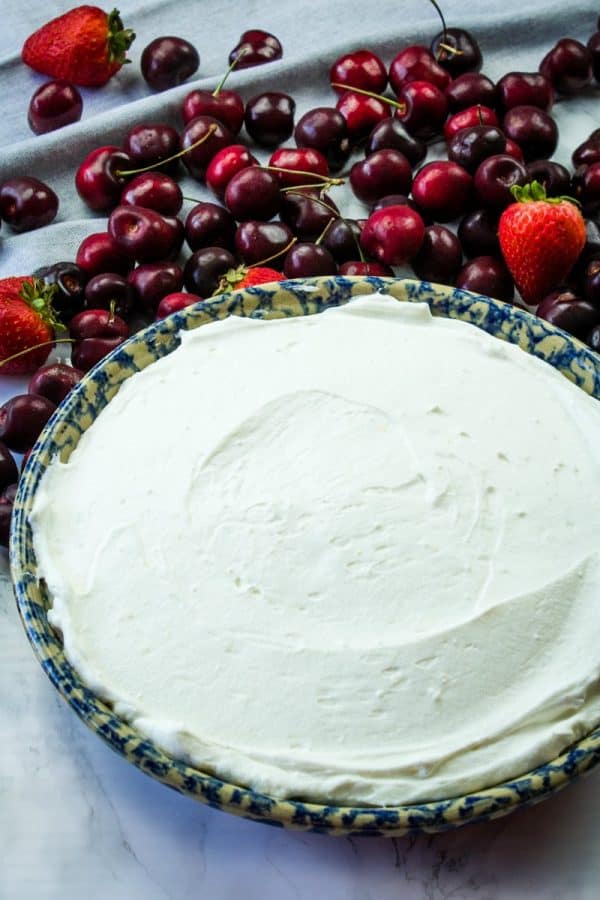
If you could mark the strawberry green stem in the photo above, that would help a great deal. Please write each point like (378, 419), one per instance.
(356, 90)
(533, 192)
(118, 39)
(123, 172)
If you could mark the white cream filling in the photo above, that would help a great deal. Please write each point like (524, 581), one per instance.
(350, 557)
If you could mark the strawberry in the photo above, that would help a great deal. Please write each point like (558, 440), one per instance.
(245, 276)
(540, 238)
(85, 46)
(26, 320)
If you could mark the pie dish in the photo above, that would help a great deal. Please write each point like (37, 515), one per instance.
(62, 434)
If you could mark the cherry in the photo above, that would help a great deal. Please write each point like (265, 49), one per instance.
(109, 334)
(568, 66)
(416, 63)
(443, 189)
(533, 130)
(591, 283)
(513, 149)
(361, 113)
(149, 145)
(467, 118)
(324, 129)
(109, 289)
(269, 118)
(487, 275)
(213, 136)
(175, 302)
(97, 179)
(439, 257)
(478, 233)
(97, 323)
(593, 46)
(393, 235)
(471, 89)
(257, 241)
(525, 89)
(457, 51)
(307, 213)
(204, 269)
(26, 203)
(359, 69)
(70, 280)
(586, 187)
(22, 419)
(554, 178)
(54, 382)
(425, 109)
(225, 106)
(390, 135)
(54, 105)
(153, 281)
(589, 151)
(100, 253)
(379, 174)
(566, 310)
(154, 190)
(342, 239)
(253, 194)
(358, 267)
(254, 48)
(168, 61)
(225, 164)
(209, 225)
(306, 163)
(9, 473)
(494, 179)
(143, 234)
(470, 146)
(401, 200)
(306, 260)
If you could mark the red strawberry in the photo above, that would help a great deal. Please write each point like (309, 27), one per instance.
(85, 46)
(26, 320)
(245, 276)
(540, 239)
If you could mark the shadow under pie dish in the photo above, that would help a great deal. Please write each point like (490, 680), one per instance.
(325, 427)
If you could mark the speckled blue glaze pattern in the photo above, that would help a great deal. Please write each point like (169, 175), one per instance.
(74, 416)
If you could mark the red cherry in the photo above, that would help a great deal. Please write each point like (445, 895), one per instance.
(466, 118)
(149, 145)
(27, 203)
(153, 281)
(96, 332)
(175, 302)
(54, 105)
(209, 225)
(471, 89)
(379, 174)
(361, 113)
(97, 179)
(359, 69)
(393, 234)
(416, 63)
(224, 165)
(100, 253)
(525, 89)
(425, 109)
(143, 234)
(513, 149)
(301, 160)
(168, 61)
(358, 267)
(568, 66)
(443, 189)
(253, 194)
(254, 48)
(153, 190)
(22, 419)
(54, 381)
(226, 107)
(214, 136)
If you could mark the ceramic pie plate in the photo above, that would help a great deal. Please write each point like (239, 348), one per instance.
(76, 414)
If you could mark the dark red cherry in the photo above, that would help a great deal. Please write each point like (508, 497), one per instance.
(478, 233)
(533, 130)
(359, 69)
(589, 151)
(593, 46)
(591, 283)
(586, 188)
(256, 241)
(307, 213)
(443, 189)
(324, 129)
(487, 275)
(149, 145)
(467, 118)
(425, 109)
(254, 48)
(209, 225)
(204, 269)
(471, 89)
(470, 146)
(494, 179)
(568, 311)
(175, 302)
(525, 89)
(150, 282)
(439, 257)
(254, 193)
(210, 136)
(342, 239)
(361, 113)
(54, 105)
(295, 163)
(168, 61)
(107, 291)
(226, 106)
(306, 260)
(457, 51)
(568, 66)
(269, 118)
(555, 179)
(54, 382)
(154, 190)
(416, 63)
(9, 473)
(143, 234)
(381, 173)
(393, 235)
(391, 135)
(70, 280)
(96, 332)
(22, 419)
(98, 180)
(100, 253)
(225, 164)
(26, 203)
(360, 268)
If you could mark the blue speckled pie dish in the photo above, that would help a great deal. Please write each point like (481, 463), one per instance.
(292, 298)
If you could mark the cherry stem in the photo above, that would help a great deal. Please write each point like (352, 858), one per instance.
(36, 347)
(356, 90)
(230, 69)
(323, 186)
(324, 232)
(317, 175)
(122, 172)
(273, 256)
(442, 19)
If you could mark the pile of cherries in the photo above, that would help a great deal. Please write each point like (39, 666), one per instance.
(283, 213)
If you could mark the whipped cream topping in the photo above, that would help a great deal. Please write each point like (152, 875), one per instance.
(348, 557)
